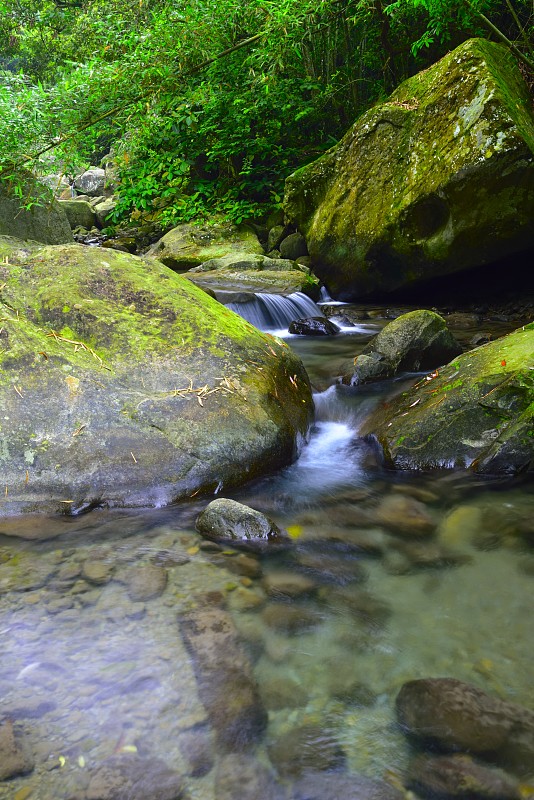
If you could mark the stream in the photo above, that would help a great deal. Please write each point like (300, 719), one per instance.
(93, 664)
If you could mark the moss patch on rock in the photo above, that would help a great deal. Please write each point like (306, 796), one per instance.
(124, 384)
(437, 179)
(477, 413)
(187, 246)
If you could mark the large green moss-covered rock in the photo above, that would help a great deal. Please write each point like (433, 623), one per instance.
(187, 246)
(416, 341)
(438, 178)
(476, 412)
(254, 273)
(45, 221)
(124, 384)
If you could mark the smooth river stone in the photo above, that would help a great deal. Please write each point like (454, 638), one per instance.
(458, 776)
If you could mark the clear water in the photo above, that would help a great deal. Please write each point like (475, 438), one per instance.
(89, 672)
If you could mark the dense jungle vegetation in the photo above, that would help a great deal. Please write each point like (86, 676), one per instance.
(191, 133)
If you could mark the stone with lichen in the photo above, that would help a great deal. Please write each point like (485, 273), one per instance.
(437, 179)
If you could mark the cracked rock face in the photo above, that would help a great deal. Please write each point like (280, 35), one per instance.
(437, 179)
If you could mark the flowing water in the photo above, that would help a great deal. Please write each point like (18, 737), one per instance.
(93, 665)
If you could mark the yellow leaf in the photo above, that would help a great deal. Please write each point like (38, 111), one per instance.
(295, 531)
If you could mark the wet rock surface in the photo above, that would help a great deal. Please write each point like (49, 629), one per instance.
(474, 413)
(419, 340)
(227, 520)
(314, 326)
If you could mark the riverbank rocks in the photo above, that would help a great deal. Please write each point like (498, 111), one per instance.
(225, 680)
(477, 412)
(14, 759)
(437, 179)
(455, 716)
(226, 520)
(418, 340)
(253, 272)
(45, 221)
(122, 384)
(187, 246)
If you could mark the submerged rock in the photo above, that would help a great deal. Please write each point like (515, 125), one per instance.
(134, 778)
(346, 785)
(14, 760)
(456, 716)
(305, 747)
(419, 340)
(123, 384)
(436, 179)
(188, 246)
(243, 776)
(476, 412)
(458, 776)
(225, 679)
(226, 520)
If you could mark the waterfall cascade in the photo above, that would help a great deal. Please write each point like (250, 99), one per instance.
(275, 311)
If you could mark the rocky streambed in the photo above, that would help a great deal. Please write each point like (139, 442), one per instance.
(141, 659)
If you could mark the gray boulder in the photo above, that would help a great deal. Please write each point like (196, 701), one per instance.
(91, 182)
(228, 521)
(437, 179)
(419, 340)
(79, 213)
(45, 221)
(103, 211)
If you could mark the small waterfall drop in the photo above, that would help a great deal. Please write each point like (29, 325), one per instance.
(275, 312)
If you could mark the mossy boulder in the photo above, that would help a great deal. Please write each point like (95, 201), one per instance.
(437, 179)
(253, 272)
(477, 412)
(418, 340)
(79, 213)
(45, 221)
(187, 246)
(123, 384)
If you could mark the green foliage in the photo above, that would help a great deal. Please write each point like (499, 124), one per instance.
(223, 139)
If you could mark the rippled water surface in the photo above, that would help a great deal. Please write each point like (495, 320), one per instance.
(94, 663)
